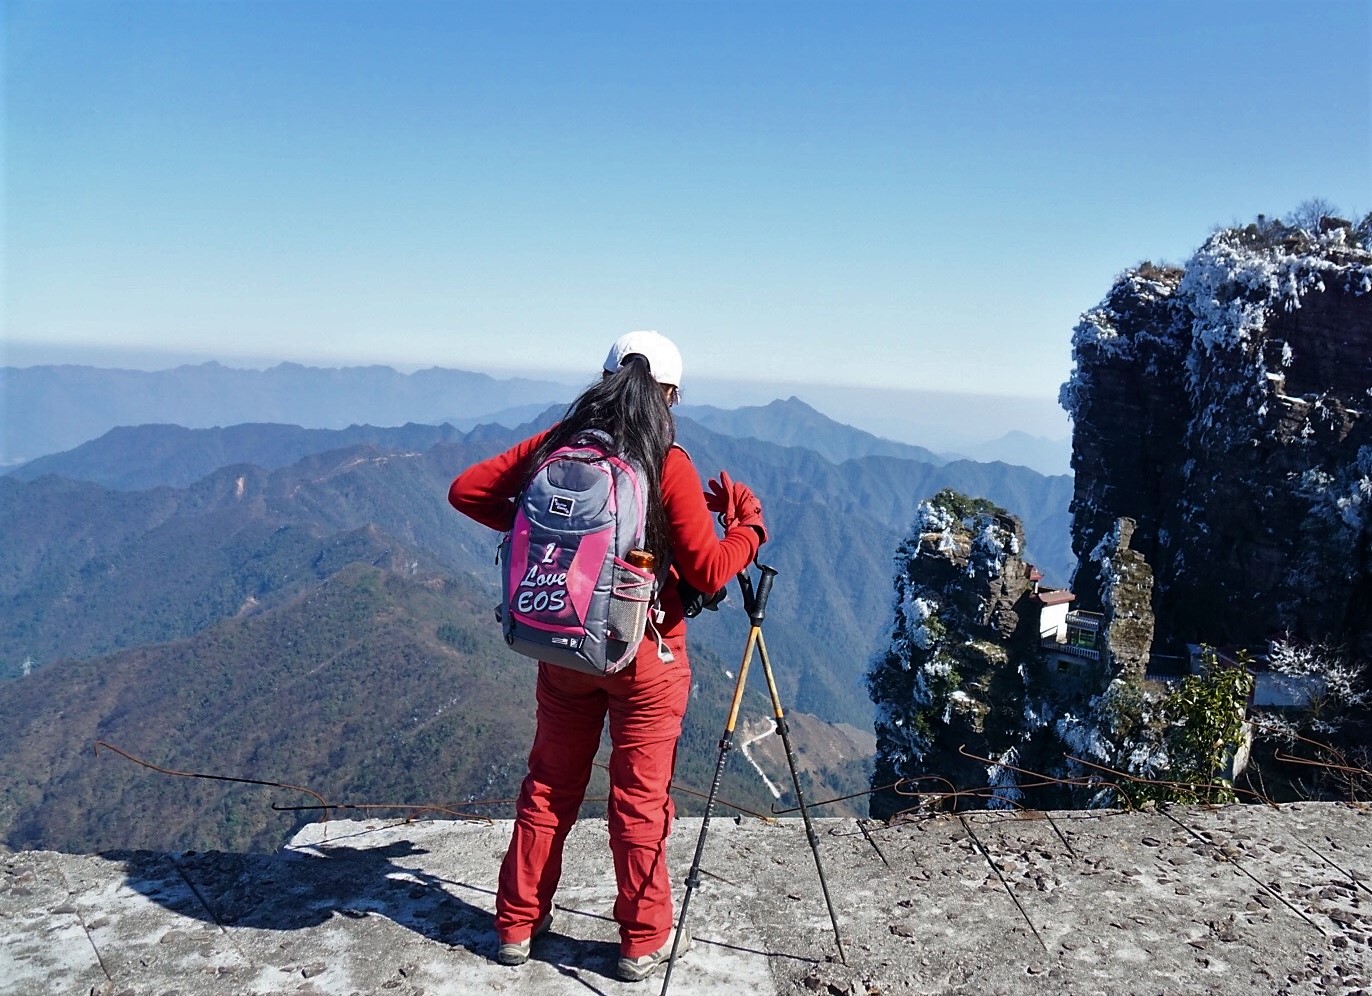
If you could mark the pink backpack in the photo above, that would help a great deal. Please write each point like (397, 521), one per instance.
(570, 596)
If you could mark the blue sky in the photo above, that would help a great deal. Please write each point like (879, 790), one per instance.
(871, 194)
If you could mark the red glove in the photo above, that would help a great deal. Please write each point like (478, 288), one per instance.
(735, 504)
(720, 498)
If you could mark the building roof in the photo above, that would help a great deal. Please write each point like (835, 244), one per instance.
(1228, 900)
(1055, 596)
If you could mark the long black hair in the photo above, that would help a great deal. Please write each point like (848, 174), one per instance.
(631, 408)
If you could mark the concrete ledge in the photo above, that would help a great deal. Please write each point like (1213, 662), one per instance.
(1234, 900)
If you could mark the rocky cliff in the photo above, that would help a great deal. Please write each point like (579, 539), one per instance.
(1223, 496)
(962, 661)
(1226, 407)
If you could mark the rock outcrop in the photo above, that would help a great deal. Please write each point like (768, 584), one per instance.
(1226, 408)
(1128, 588)
(956, 645)
(1223, 495)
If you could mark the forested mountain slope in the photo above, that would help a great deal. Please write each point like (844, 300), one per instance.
(123, 568)
(379, 683)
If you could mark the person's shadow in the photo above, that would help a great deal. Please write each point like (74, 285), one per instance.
(296, 889)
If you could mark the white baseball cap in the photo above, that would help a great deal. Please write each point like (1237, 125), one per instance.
(664, 359)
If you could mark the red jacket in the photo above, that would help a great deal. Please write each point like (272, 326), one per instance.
(486, 492)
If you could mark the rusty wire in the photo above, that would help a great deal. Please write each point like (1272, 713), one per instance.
(894, 786)
(926, 798)
(906, 786)
(1321, 745)
(413, 810)
(687, 790)
(1355, 774)
(197, 774)
(1348, 769)
(1244, 871)
(417, 808)
(837, 798)
(987, 793)
(1043, 780)
(1077, 781)
(1311, 762)
(324, 804)
(1197, 787)
(903, 786)
(422, 807)
(1342, 765)
(982, 850)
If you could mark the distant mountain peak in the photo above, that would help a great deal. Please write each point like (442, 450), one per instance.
(793, 422)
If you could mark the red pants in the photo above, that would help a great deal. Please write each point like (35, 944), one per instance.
(646, 703)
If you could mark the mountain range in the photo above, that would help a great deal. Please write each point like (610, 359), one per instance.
(50, 409)
(165, 582)
(86, 542)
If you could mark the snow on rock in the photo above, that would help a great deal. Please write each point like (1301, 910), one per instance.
(1223, 406)
(958, 585)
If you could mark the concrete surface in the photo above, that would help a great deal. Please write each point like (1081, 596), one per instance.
(1228, 900)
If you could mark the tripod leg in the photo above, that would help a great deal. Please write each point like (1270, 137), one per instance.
(784, 730)
(726, 741)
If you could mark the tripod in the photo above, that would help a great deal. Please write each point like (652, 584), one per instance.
(755, 604)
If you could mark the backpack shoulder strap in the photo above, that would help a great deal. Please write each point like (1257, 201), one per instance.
(596, 437)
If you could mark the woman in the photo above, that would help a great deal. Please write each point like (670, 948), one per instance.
(647, 700)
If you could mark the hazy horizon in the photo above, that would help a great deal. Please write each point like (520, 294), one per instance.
(941, 421)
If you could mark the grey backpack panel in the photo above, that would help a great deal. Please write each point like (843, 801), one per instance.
(569, 596)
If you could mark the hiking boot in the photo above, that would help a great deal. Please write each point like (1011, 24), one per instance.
(638, 969)
(517, 952)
